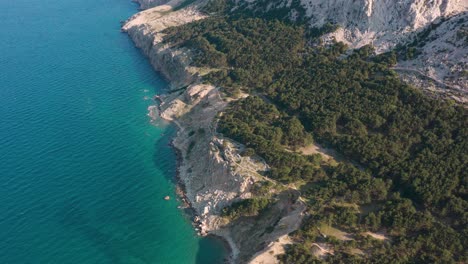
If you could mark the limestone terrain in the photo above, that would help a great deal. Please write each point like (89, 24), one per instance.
(213, 172)
(145, 28)
(384, 23)
(440, 67)
(211, 169)
(215, 175)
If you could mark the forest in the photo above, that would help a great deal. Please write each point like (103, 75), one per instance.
(404, 162)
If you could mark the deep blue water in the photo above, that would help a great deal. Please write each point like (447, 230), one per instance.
(83, 173)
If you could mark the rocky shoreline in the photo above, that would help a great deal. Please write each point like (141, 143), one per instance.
(211, 174)
(190, 211)
(172, 65)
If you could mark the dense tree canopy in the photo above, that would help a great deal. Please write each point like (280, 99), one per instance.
(405, 153)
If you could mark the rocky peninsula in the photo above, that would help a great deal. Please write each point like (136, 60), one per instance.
(211, 170)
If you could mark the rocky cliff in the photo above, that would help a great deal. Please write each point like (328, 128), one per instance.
(215, 175)
(441, 65)
(381, 22)
(146, 30)
(211, 169)
(441, 59)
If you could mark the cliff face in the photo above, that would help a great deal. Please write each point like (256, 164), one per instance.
(440, 67)
(381, 15)
(145, 29)
(442, 59)
(381, 22)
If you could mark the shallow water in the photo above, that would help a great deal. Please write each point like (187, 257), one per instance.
(83, 172)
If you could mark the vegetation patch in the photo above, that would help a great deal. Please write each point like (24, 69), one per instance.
(246, 207)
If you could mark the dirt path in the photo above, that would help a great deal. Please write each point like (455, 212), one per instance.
(378, 236)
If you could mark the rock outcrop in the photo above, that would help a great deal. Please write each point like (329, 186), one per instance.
(146, 30)
(381, 22)
(441, 67)
(440, 64)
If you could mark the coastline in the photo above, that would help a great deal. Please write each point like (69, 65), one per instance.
(217, 175)
(191, 212)
(202, 215)
(97, 172)
(173, 67)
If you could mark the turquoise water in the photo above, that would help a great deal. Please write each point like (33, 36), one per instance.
(83, 173)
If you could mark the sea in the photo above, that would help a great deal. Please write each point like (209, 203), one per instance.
(83, 169)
